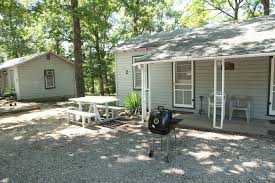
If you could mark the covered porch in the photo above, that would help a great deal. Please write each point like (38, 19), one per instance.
(253, 77)
(183, 70)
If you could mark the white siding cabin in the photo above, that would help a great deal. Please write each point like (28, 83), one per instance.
(178, 67)
(38, 76)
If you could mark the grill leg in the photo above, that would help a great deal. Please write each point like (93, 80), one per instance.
(175, 136)
(151, 152)
(166, 158)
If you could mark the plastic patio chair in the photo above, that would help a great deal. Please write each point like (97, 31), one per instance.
(240, 103)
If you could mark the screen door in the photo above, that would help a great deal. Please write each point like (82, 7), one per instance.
(183, 84)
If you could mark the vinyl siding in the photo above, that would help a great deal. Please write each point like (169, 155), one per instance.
(124, 82)
(250, 77)
(31, 78)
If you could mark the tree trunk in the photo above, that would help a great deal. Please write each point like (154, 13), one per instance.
(57, 46)
(77, 50)
(236, 10)
(135, 19)
(101, 85)
(99, 61)
(93, 86)
(107, 83)
(266, 5)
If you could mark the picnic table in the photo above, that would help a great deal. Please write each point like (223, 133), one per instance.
(95, 103)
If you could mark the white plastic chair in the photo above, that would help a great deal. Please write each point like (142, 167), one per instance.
(240, 103)
(218, 102)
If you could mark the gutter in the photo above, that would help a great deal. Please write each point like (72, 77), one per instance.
(177, 59)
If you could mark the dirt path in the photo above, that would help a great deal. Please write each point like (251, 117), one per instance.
(39, 146)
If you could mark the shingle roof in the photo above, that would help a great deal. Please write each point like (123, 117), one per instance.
(247, 37)
(21, 60)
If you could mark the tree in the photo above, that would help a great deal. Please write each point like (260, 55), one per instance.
(141, 16)
(230, 8)
(195, 14)
(77, 50)
(266, 5)
(98, 40)
(55, 23)
(14, 36)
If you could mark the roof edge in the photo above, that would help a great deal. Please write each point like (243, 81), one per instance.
(42, 54)
(177, 59)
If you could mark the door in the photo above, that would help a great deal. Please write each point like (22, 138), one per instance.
(272, 89)
(11, 79)
(183, 80)
(147, 86)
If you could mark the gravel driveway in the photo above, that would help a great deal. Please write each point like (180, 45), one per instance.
(39, 146)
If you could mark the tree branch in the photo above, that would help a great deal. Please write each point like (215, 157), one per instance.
(219, 9)
(230, 4)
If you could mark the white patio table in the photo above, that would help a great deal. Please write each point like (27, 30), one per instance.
(93, 101)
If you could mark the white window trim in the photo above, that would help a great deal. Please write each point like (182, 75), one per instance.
(134, 73)
(174, 87)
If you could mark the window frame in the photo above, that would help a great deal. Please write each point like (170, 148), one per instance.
(45, 80)
(134, 73)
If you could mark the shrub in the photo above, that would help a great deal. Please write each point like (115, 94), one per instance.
(133, 103)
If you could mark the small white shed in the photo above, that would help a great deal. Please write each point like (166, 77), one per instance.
(37, 76)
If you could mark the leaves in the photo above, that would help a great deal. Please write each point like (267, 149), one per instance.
(196, 15)
(29, 26)
(133, 102)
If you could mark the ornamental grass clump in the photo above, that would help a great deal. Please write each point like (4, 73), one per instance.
(133, 103)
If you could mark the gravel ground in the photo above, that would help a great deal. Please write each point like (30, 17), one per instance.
(39, 146)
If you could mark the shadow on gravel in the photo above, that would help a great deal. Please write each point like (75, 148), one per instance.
(41, 147)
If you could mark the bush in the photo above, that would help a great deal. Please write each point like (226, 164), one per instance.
(133, 103)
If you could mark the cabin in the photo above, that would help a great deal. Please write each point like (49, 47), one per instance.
(38, 76)
(212, 71)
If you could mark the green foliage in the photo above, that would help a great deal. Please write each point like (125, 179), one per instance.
(141, 16)
(29, 26)
(196, 14)
(133, 103)
(15, 19)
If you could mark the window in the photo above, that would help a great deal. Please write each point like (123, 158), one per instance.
(136, 75)
(49, 78)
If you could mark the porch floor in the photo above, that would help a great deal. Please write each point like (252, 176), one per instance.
(255, 127)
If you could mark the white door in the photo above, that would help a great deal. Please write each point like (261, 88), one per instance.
(183, 84)
(147, 86)
(272, 89)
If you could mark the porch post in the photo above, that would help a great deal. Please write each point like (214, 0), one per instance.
(215, 93)
(220, 95)
(143, 92)
(223, 104)
(149, 92)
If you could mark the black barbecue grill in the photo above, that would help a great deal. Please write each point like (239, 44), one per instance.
(161, 123)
